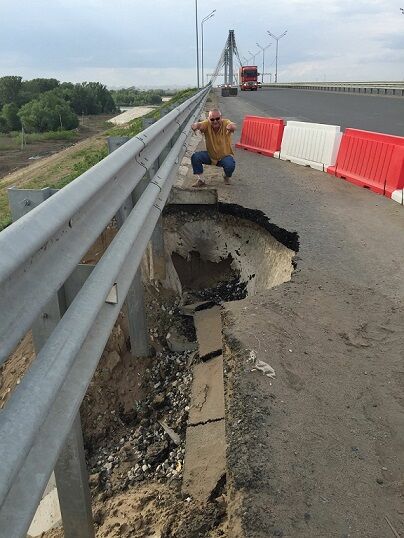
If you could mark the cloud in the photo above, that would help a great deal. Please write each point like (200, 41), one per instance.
(125, 39)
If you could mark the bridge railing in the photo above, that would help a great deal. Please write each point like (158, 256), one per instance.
(38, 253)
(381, 88)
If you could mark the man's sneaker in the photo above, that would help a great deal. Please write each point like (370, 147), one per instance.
(199, 183)
(226, 180)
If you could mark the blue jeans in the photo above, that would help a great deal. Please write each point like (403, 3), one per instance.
(199, 158)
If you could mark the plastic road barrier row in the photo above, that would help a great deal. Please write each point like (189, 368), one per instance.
(261, 135)
(310, 144)
(372, 160)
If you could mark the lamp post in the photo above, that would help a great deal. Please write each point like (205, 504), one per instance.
(253, 56)
(263, 59)
(211, 14)
(277, 38)
(197, 42)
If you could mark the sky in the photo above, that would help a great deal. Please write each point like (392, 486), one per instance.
(152, 43)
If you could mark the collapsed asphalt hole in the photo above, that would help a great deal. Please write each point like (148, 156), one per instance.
(225, 252)
(135, 412)
(207, 280)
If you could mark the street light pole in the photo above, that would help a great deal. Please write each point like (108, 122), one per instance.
(211, 14)
(263, 60)
(252, 56)
(277, 38)
(197, 42)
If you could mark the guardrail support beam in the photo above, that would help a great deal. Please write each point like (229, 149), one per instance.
(138, 333)
(157, 253)
(73, 488)
(135, 307)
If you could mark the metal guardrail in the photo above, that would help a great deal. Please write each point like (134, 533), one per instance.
(38, 253)
(380, 88)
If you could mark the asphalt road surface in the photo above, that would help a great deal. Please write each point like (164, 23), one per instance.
(319, 450)
(372, 113)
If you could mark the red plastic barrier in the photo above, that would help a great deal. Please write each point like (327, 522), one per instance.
(261, 135)
(372, 160)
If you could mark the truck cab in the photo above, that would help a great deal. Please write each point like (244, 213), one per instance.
(248, 78)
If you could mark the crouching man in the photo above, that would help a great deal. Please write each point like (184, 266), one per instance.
(217, 132)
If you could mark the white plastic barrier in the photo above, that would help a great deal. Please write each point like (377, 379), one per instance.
(310, 144)
(398, 196)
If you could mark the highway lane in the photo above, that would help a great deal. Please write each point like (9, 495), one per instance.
(372, 113)
(318, 451)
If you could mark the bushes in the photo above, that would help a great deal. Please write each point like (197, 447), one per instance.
(134, 97)
(47, 113)
(10, 116)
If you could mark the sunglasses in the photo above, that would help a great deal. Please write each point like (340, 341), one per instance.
(215, 119)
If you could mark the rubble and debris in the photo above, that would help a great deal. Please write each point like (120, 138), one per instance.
(145, 448)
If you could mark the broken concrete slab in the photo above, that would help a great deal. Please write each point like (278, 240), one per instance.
(205, 459)
(207, 396)
(208, 326)
(190, 196)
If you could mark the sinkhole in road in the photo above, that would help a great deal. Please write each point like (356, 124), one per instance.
(136, 414)
(225, 252)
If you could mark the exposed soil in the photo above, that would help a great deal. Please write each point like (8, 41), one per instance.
(13, 370)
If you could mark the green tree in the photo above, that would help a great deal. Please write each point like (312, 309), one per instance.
(3, 125)
(83, 101)
(10, 114)
(101, 96)
(49, 112)
(10, 87)
(32, 89)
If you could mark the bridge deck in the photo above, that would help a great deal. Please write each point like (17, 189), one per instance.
(318, 451)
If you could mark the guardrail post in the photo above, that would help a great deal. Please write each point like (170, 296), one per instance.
(136, 312)
(156, 250)
(146, 122)
(158, 264)
(72, 484)
(137, 323)
(70, 470)
(114, 142)
(21, 201)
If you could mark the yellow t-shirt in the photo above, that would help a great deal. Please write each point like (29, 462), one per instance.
(218, 144)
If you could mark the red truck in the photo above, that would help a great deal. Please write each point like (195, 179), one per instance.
(248, 78)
